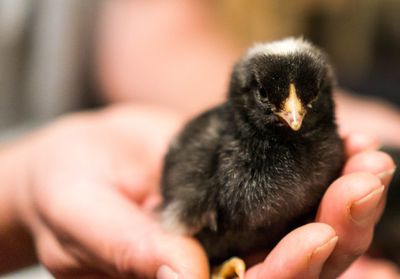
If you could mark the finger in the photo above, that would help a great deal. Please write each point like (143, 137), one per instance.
(376, 162)
(119, 235)
(134, 182)
(358, 142)
(52, 255)
(58, 261)
(350, 206)
(300, 254)
(370, 269)
(137, 184)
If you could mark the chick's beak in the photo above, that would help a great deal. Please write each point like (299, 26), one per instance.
(293, 111)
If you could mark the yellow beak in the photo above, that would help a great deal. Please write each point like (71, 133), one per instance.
(293, 111)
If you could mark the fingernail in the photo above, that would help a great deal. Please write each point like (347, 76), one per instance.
(327, 247)
(165, 272)
(321, 253)
(364, 208)
(386, 176)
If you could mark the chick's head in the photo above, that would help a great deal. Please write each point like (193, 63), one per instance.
(285, 84)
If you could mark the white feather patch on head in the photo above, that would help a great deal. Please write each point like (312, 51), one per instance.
(283, 47)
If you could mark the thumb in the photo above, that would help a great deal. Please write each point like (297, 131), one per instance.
(180, 257)
(117, 236)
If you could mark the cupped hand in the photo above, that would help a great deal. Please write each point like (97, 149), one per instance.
(344, 224)
(90, 195)
(93, 185)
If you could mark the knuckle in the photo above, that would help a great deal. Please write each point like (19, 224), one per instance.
(124, 255)
(128, 258)
(53, 256)
(48, 259)
(50, 207)
(358, 248)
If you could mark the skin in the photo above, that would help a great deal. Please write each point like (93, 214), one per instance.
(368, 116)
(158, 52)
(84, 188)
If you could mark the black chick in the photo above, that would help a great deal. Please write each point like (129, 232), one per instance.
(241, 175)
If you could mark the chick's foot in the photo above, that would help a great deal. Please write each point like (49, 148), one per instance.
(232, 268)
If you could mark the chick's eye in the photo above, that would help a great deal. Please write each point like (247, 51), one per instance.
(314, 97)
(263, 93)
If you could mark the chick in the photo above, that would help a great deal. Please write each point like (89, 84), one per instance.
(243, 174)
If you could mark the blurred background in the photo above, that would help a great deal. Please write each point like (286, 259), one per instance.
(58, 56)
(48, 62)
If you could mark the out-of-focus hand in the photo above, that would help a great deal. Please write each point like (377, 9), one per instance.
(346, 218)
(368, 116)
(90, 192)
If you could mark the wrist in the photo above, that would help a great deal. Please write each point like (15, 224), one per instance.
(15, 240)
(11, 168)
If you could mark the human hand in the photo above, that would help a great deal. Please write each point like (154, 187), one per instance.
(346, 218)
(91, 187)
(370, 116)
(89, 207)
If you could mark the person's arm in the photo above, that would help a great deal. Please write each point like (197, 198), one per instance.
(16, 246)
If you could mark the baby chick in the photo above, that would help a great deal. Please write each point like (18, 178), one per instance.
(243, 174)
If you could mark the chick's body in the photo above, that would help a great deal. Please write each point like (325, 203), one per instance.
(242, 175)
